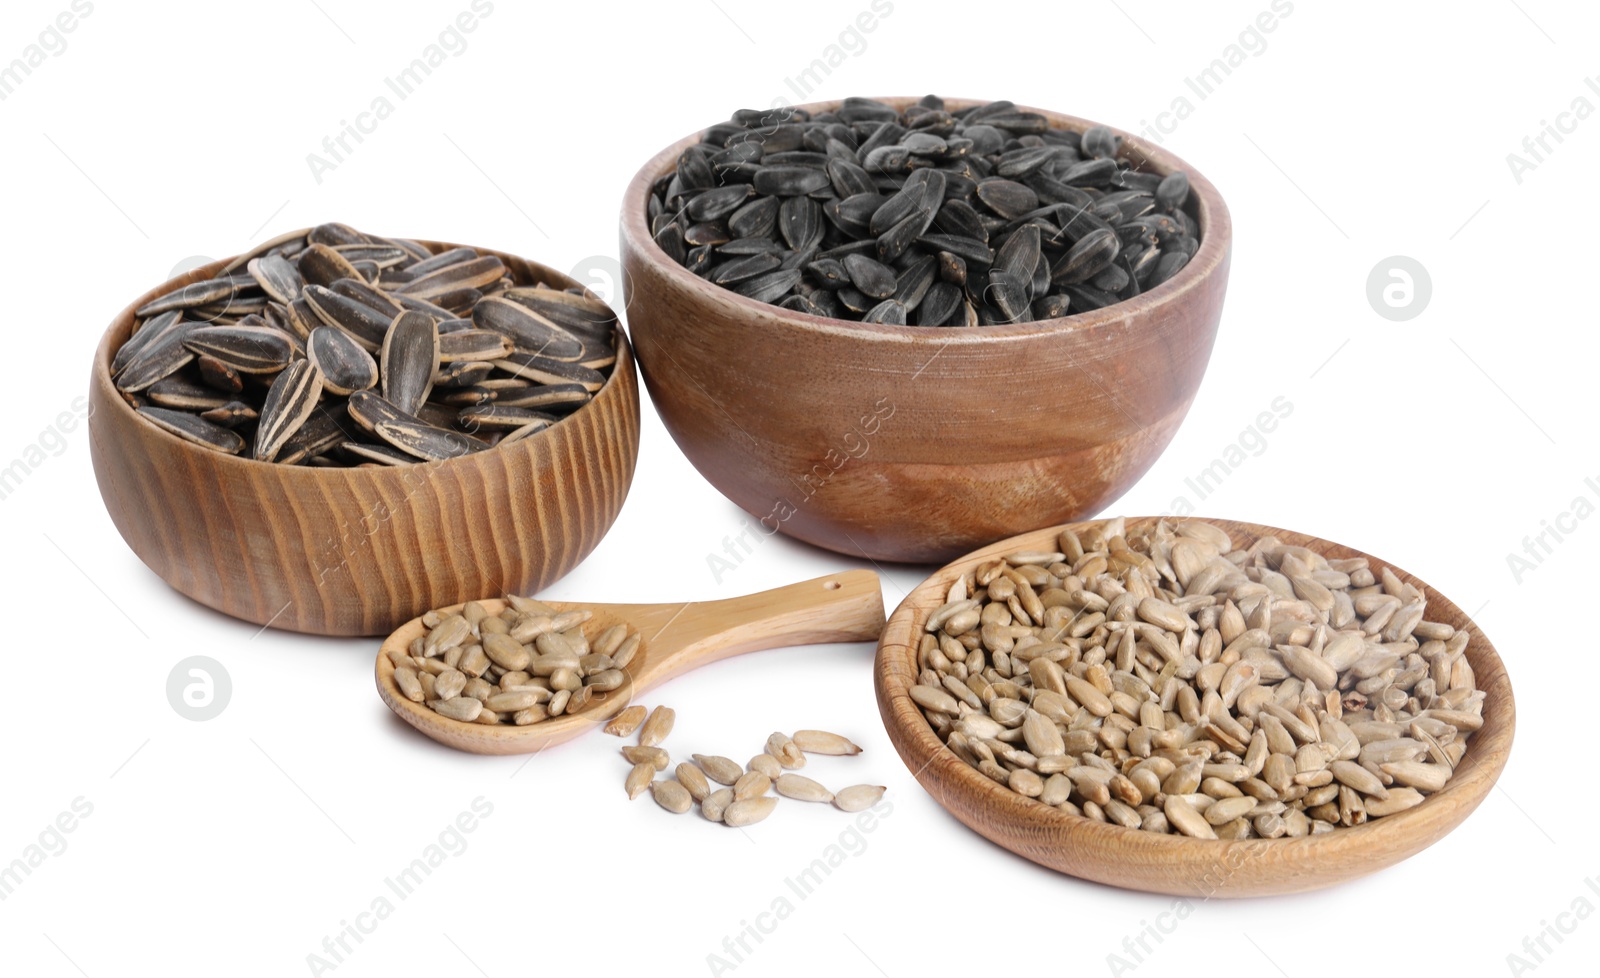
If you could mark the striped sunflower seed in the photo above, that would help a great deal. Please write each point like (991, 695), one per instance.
(290, 401)
(345, 365)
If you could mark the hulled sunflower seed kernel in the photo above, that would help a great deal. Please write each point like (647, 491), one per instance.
(858, 797)
(694, 780)
(672, 796)
(785, 750)
(657, 726)
(716, 803)
(626, 722)
(823, 742)
(719, 769)
(748, 811)
(639, 778)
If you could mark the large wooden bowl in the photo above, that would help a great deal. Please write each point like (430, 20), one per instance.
(911, 443)
(1177, 864)
(361, 551)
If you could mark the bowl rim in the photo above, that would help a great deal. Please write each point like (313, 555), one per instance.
(1473, 778)
(104, 352)
(1215, 246)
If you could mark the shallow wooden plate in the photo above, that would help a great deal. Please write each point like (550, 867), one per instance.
(1176, 864)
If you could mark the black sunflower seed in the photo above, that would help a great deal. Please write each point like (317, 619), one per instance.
(914, 281)
(958, 217)
(800, 222)
(717, 203)
(1087, 258)
(745, 268)
(789, 181)
(849, 178)
(769, 287)
(874, 279)
(1170, 264)
(939, 304)
(757, 219)
(1099, 142)
(1008, 198)
(1018, 257)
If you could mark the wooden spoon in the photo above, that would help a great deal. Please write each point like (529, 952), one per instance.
(1177, 864)
(846, 607)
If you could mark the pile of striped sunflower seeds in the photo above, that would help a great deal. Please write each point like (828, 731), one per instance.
(925, 216)
(742, 797)
(1168, 681)
(337, 348)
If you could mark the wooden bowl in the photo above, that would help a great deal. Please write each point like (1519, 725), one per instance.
(918, 444)
(1176, 864)
(360, 551)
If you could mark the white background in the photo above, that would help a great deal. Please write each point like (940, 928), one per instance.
(234, 846)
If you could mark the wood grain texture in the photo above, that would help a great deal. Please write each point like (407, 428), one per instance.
(846, 607)
(359, 551)
(1168, 863)
(918, 444)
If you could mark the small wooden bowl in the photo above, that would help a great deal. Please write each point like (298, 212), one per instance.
(911, 443)
(1176, 864)
(361, 551)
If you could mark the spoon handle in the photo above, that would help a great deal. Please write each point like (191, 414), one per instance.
(845, 607)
